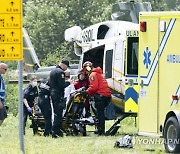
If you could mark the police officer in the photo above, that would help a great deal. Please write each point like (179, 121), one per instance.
(44, 104)
(57, 86)
(30, 93)
(3, 112)
(98, 88)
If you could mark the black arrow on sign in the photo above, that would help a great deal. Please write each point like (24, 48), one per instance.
(12, 48)
(12, 18)
(12, 33)
(12, 3)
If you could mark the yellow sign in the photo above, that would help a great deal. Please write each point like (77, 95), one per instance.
(10, 21)
(10, 6)
(8, 51)
(11, 30)
(10, 36)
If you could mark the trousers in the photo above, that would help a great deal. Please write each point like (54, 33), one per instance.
(58, 106)
(45, 106)
(100, 103)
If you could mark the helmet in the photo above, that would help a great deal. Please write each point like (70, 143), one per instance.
(87, 63)
(87, 66)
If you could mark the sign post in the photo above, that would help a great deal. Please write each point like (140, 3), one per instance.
(11, 47)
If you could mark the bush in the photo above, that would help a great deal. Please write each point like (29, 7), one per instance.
(11, 99)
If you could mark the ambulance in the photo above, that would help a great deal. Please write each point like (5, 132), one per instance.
(159, 77)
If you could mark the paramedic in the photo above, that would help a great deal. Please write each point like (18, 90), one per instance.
(30, 94)
(99, 89)
(45, 105)
(57, 86)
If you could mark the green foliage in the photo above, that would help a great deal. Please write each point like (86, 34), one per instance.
(60, 53)
(164, 5)
(159, 5)
(46, 21)
(11, 99)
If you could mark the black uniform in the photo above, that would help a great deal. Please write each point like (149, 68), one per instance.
(30, 93)
(45, 106)
(57, 86)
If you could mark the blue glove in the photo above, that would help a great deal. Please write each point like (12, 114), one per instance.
(29, 109)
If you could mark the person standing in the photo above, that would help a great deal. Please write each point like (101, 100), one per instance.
(57, 86)
(30, 94)
(98, 87)
(3, 112)
(45, 105)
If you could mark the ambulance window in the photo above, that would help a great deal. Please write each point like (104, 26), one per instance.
(132, 55)
(108, 63)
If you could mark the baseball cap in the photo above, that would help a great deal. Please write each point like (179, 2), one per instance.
(66, 62)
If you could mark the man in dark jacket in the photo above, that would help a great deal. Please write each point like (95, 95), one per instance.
(57, 86)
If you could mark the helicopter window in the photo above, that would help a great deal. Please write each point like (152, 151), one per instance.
(95, 56)
(102, 30)
(108, 63)
(132, 56)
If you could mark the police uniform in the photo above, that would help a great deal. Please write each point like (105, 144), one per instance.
(30, 93)
(44, 104)
(99, 89)
(3, 112)
(57, 86)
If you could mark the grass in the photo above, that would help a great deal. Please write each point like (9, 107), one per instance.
(91, 144)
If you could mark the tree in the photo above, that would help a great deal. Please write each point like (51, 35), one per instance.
(46, 21)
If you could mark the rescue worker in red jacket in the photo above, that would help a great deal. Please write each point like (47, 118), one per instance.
(98, 87)
(83, 82)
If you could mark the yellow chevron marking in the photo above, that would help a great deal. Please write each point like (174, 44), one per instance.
(131, 106)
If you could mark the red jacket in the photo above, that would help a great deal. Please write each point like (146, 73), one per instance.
(98, 83)
(81, 83)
